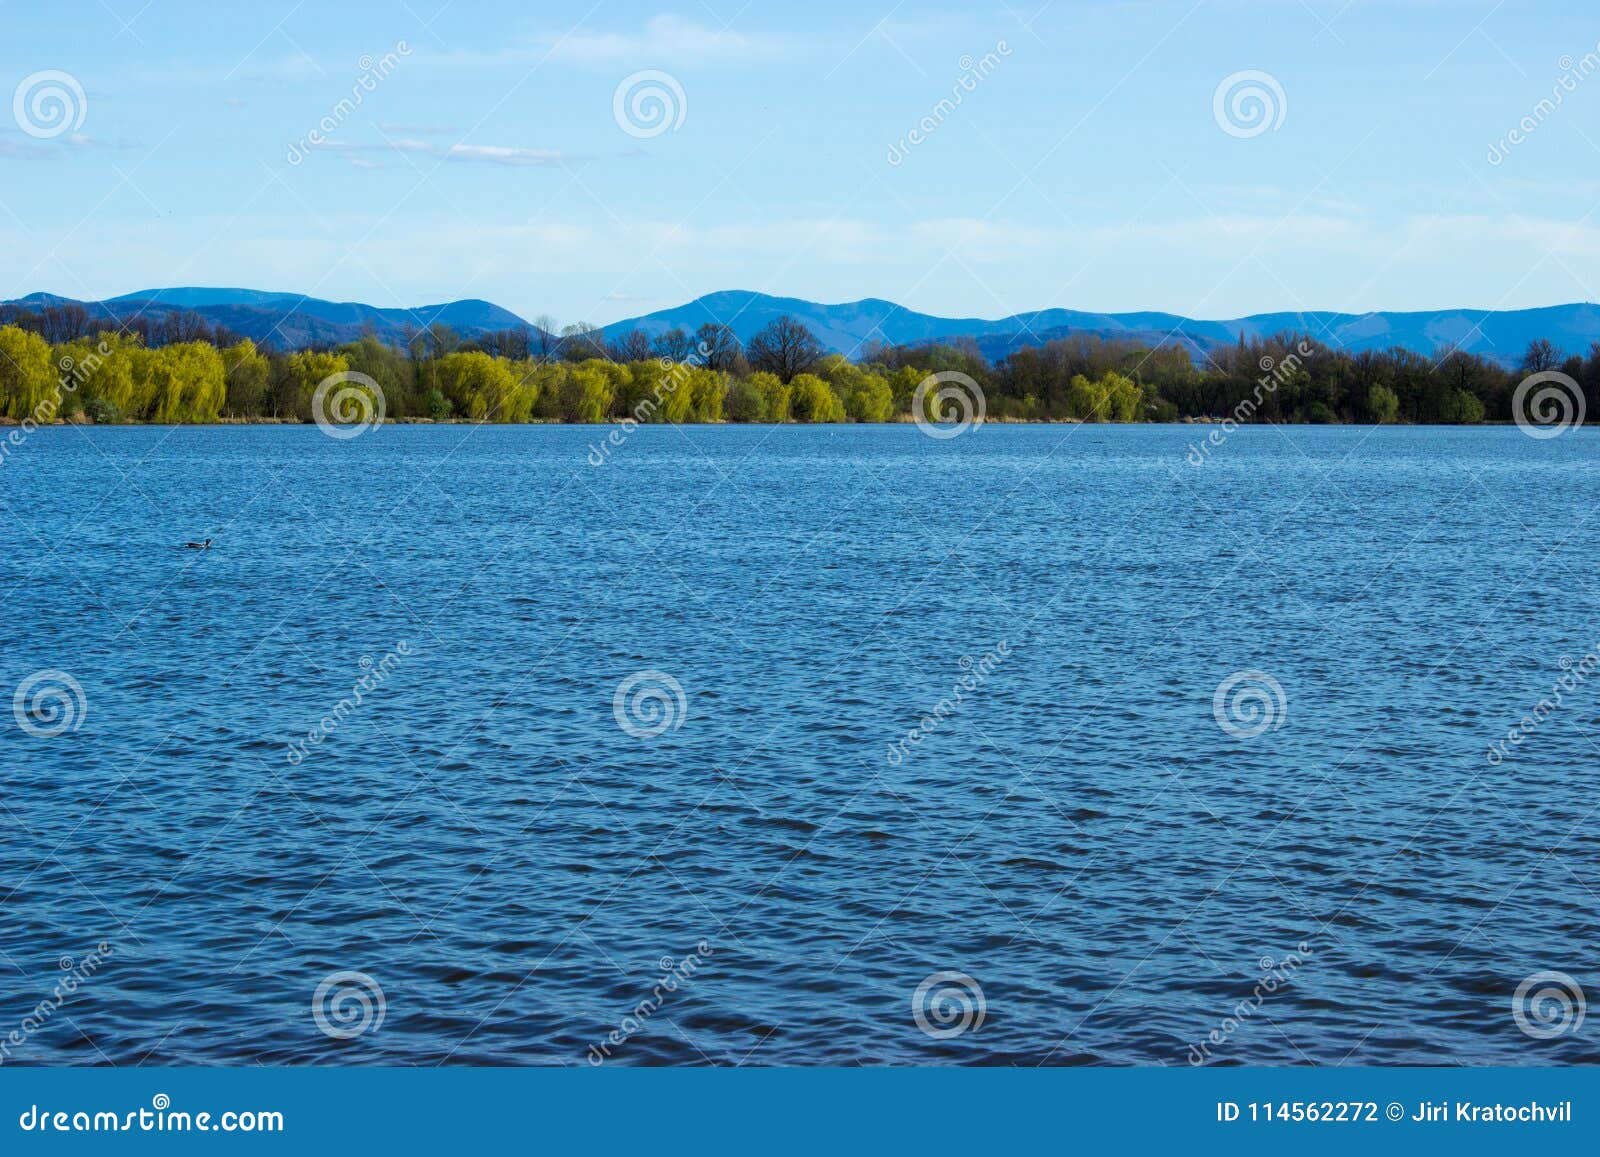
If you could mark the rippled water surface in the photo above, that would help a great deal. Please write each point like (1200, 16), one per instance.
(1078, 837)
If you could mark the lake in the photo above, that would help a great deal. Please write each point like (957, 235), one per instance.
(799, 745)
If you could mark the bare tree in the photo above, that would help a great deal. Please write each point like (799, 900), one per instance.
(582, 341)
(717, 347)
(546, 344)
(1542, 355)
(784, 347)
(633, 346)
(672, 345)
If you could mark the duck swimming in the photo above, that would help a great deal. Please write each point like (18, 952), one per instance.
(206, 545)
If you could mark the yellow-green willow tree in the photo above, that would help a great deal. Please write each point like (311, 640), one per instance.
(184, 382)
(28, 378)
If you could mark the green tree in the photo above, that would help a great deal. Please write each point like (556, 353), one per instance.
(183, 382)
(774, 397)
(390, 368)
(1383, 406)
(1461, 408)
(307, 370)
(707, 389)
(28, 377)
(1124, 398)
(745, 402)
(812, 400)
(482, 387)
(586, 393)
(248, 375)
(1087, 401)
(869, 398)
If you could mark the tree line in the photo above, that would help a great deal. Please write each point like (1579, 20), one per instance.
(54, 366)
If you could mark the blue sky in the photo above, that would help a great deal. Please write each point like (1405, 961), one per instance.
(1087, 168)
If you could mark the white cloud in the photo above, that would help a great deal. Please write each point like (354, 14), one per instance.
(665, 41)
(490, 154)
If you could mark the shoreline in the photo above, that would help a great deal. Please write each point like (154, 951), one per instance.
(10, 424)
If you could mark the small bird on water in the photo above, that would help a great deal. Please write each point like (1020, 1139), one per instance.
(206, 545)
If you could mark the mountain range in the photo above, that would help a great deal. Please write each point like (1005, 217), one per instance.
(292, 321)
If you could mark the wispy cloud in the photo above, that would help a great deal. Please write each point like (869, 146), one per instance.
(515, 155)
(417, 130)
(47, 150)
(665, 41)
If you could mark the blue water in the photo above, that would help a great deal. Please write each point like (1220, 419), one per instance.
(1078, 836)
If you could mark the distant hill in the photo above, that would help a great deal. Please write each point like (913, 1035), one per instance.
(288, 321)
(854, 326)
